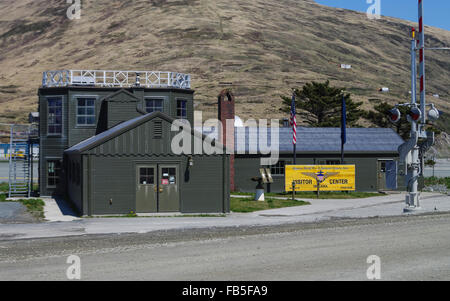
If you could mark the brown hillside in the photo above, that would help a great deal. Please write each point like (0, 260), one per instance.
(263, 47)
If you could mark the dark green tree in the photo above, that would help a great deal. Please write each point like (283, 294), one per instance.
(319, 105)
(380, 118)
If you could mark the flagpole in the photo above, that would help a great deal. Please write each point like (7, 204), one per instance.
(343, 128)
(295, 153)
(294, 127)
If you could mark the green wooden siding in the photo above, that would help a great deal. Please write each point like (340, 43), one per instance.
(202, 188)
(53, 147)
(247, 167)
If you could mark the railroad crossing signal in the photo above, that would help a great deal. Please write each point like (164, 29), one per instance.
(395, 115)
(415, 114)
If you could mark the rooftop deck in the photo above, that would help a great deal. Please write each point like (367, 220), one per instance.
(114, 78)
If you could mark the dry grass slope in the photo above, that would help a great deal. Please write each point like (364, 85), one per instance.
(263, 47)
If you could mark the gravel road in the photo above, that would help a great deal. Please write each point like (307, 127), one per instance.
(409, 247)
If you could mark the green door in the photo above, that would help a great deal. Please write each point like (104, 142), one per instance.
(157, 188)
(169, 198)
(146, 191)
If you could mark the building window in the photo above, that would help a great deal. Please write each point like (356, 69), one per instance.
(333, 162)
(154, 105)
(85, 111)
(146, 176)
(329, 162)
(54, 116)
(168, 176)
(278, 169)
(181, 109)
(53, 172)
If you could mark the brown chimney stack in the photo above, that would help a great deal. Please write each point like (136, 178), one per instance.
(226, 112)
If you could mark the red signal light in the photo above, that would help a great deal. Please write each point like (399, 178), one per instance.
(394, 115)
(415, 114)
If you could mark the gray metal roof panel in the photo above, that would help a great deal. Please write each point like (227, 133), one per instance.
(322, 139)
(98, 139)
(123, 127)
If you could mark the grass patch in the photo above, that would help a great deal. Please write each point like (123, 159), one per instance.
(323, 194)
(249, 205)
(131, 214)
(158, 216)
(34, 206)
(4, 187)
(437, 181)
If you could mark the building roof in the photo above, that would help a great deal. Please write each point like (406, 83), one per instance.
(323, 140)
(121, 128)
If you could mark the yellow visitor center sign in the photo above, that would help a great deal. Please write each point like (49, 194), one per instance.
(330, 177)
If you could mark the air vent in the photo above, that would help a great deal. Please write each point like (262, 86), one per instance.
(157, 129)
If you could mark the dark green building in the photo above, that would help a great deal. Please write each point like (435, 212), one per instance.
(373, 151)
(105, 140)
(106, 145)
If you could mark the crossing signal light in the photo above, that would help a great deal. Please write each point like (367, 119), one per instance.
(415, 114)
(394, 115)
(433, 114)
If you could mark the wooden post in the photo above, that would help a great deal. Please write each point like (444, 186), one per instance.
(318, 189)
(293, 190)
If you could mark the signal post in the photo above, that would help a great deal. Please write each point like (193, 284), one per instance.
(412, 151)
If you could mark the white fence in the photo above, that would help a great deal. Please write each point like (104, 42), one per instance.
(111, 78)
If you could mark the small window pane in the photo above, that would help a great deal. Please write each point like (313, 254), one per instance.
(54, 115)
(146, 176)
(53, 171)
(278, 169)
(85, 111)
(181, 109)
(154, 105)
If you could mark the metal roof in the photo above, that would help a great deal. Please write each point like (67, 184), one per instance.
(123, 127)
(108, 134)
(323, 140)
(359, 140)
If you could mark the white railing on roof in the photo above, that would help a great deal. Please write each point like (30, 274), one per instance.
(111, 78)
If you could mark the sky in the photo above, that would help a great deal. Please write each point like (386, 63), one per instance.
(436, 12)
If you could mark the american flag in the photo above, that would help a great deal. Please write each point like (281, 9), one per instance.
(293, 120)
